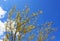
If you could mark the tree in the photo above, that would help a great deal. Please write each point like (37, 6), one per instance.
(16, 28)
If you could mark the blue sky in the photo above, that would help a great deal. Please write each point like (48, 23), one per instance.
(50, 8)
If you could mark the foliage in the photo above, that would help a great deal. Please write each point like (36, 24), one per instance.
(18, 27)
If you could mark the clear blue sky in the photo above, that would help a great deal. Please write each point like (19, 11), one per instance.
(50, 8)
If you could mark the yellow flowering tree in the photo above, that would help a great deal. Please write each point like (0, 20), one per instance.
(16, 28)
